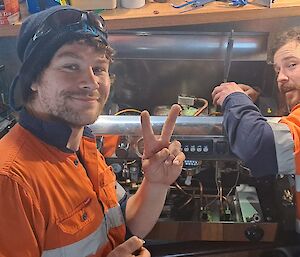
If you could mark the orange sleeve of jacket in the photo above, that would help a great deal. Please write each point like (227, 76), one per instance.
(109, 145)
(22, 224)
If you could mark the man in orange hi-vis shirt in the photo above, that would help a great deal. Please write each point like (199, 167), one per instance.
(58, 196)
(266, 147)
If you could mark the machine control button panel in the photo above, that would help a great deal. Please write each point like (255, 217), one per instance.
(196, 147)
(206, 148)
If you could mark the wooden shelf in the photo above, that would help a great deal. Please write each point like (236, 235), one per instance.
(163, 15)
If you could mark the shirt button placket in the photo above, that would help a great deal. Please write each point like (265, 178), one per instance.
(84, 216)
(76, 162)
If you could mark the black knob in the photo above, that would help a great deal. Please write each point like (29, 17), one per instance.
(222, 147)
(254, 233)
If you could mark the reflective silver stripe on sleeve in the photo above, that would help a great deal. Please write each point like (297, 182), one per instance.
(297, 183)
(89, 245)
(114, 218)
(120, 191)
(284, 148)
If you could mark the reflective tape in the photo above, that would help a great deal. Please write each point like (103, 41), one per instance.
(90, 245)
(284, 145)
(120, 191)
(297, 183)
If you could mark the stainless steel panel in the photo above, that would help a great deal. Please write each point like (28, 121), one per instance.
(185, 125)
(181, 45)
(130, 125)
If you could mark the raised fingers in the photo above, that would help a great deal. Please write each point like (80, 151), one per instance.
(169, 125)
(148, 135)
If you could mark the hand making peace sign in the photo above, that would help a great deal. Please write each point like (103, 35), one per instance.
(162, 160)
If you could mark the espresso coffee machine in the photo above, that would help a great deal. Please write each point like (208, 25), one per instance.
(215, 198)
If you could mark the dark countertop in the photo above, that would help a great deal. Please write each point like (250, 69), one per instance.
(287, 245)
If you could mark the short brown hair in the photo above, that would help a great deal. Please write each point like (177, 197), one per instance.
(281, 38)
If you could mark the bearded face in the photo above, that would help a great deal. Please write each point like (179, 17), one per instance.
(75, 86)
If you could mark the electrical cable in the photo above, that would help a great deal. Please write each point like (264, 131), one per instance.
(201, 109)
(218, 196)
(137, 152)
(234, 185)
(191, 197)
(128, 110)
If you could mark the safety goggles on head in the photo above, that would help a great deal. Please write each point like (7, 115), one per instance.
(70, 20)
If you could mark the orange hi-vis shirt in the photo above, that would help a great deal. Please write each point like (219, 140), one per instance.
(55, 202)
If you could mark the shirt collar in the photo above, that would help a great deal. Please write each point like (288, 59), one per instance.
(51, 132)
(295, 107)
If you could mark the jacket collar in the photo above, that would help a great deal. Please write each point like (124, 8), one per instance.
(51, 132)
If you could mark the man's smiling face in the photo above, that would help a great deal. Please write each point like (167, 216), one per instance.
(74, 87)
